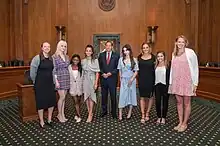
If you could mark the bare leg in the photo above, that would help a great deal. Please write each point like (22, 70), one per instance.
(41, 117)
(77, 106)
(60, 104)
(63, 107)
(187, 111)
(120, 114)
(50, 113)
(129, 112)
(142, 104)
(88, 106)
(91, 104)
(150, 103)
(179, 110)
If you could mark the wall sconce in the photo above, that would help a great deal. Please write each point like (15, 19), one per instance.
(61, 32)
(151, 35)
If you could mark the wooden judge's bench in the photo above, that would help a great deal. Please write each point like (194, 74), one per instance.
(12, 79)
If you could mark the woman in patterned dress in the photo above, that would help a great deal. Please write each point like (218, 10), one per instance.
(128, 70)
(90, 67)
(183, 79)
(62, 77)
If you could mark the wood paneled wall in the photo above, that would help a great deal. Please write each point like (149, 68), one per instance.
(25, 26)
(209, 30)
(4, 30)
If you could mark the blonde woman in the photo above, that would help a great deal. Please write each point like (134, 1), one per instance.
(183, 79)
(62, 77)
(146, 80)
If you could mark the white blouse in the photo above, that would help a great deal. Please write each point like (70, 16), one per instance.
(75, 73)
(160, 75)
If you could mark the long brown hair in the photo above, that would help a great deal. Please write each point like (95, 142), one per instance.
(142, 45)
(128, 47)
(93, 52)
(175, 51)
(165, 59)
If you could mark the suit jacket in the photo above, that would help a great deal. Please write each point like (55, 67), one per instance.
(111, 67)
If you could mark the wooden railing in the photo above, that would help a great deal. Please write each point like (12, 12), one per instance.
(209, 82)
(9, 76)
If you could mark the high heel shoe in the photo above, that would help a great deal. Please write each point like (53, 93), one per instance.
(49, 123)
(89, 119)
(41, 125)
(147, 118)
(129, 116)
(158, 121)
(60, 119)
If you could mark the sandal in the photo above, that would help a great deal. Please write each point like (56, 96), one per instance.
(182, 128)
(177, 127)
(142, 120)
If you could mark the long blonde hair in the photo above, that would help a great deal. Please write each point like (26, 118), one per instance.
(58, 52)
(175, 51)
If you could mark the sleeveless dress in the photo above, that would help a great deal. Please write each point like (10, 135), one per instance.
(44, 86)
(181, 78)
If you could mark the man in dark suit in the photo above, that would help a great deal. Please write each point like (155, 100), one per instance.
(108, 62)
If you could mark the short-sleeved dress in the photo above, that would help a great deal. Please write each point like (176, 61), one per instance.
(62, 72)
(146, 76)
(127, 94)
(181, 77)
(89, 68)
(44, 87)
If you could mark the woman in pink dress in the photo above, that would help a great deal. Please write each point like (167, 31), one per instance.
(183, 79)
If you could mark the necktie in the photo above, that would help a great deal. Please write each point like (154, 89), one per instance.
(108, 58)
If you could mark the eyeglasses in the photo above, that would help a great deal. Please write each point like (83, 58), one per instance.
(75, 60)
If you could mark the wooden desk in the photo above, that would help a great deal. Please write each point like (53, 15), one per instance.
(9, 76)
(209, 83)
(26, 102)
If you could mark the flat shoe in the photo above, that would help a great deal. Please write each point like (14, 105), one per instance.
(177, 127)
(182, 129)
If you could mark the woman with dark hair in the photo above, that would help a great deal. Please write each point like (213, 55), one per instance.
(41, 73)
(75, 70)
(90, 69)
(146, 80)
(162, 74)
(128, 69)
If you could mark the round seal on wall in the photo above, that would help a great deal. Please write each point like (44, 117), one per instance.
(106, 5)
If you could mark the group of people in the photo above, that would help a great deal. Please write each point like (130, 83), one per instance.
(156, 77)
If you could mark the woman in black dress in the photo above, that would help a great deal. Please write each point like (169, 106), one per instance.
(41, 72)
(146, 80)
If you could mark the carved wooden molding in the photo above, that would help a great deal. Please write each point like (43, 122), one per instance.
(187, 2)
(106, 5)
(25, 2)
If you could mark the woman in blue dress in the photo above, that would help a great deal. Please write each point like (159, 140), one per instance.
(128, 69)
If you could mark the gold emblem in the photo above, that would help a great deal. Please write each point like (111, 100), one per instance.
(106, 5)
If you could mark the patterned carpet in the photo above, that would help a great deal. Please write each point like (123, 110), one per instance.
(204, 129)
